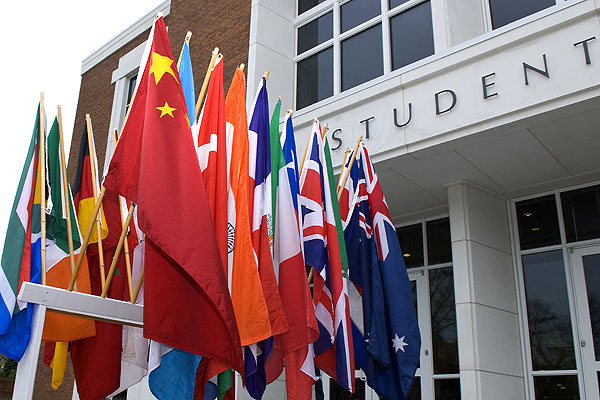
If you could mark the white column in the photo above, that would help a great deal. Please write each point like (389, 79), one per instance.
(272, 47)
(486, 307)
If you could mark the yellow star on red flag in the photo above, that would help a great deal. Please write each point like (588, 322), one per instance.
(160, 66)
(166, 109)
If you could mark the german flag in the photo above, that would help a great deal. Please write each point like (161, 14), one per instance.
(86, 184)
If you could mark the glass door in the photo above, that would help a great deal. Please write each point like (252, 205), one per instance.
(422, 387)
(586, 277)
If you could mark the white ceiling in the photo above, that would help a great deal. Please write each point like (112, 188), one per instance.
(549, 151)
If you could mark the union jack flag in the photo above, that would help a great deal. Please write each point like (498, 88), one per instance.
(333, 349)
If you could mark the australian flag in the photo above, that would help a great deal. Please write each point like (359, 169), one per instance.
(386, 335)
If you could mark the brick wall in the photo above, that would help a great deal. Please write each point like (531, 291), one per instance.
(224, 24)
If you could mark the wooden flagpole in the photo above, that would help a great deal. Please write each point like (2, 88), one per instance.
(341, 182)
(113, 265)
(315, 121)
(138, 286)
(42, 169)
(188, 36)
(66, 195)
(88, 121)
(86, 239)
(126, 243)
(343, 167)
(325, 129)
(211, 64)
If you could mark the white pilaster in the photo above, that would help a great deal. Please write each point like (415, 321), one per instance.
(486, 311)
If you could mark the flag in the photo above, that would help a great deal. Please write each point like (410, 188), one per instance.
(58, 327)
(213, 158)
(61, 327)
(247, 296)
(212, 155)
(21, 257)
(262, 238)
(388, 337)
(184, 66)
(97, 360)
(134, 354)
(334, 354)
(293, 345)
(85, 186)
(155, 166)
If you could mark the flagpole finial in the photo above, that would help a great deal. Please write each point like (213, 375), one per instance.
(216, 50)
(290, 111)
(241, 67)
(188, 35)
(325, 128)
(266, 75)
(159, 15)
(279, 98)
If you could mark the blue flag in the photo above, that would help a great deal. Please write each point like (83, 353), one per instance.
(386, 335)
(187, 81)
(173, 373)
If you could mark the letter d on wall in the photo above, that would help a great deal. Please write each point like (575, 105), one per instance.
(445, 101)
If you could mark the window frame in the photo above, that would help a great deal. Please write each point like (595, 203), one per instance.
(383, 18)
(566, 248)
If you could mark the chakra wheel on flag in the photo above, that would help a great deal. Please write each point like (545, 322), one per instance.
(230, 237)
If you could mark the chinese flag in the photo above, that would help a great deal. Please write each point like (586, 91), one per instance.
(186, 300)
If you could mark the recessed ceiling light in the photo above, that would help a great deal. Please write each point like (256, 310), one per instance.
(535, 229)
(406, 254)
(528, 214)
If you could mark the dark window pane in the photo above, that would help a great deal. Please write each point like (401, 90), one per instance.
(305, 5)
(548, 311)
(396, 3)
(362, 57)
(439, 247)
(591, 269)
(315, 78)
(355, 12)
(506, 11)
(556, 387)
(336, 392)
(315, 32)
(130, 90)
(443, 321)
(581, 212)
(412, 35)
(538, 222)
(411, 242)
(447, 389)
(415, 391)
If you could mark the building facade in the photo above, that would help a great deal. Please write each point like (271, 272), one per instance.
(482, 118)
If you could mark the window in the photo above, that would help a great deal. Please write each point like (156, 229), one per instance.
(347, 43)
(428, 255)
(559, 253)
(506, 11)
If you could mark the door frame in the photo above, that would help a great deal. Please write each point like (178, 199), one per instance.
(589, 365)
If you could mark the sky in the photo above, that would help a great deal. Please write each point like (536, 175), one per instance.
(44, 44)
